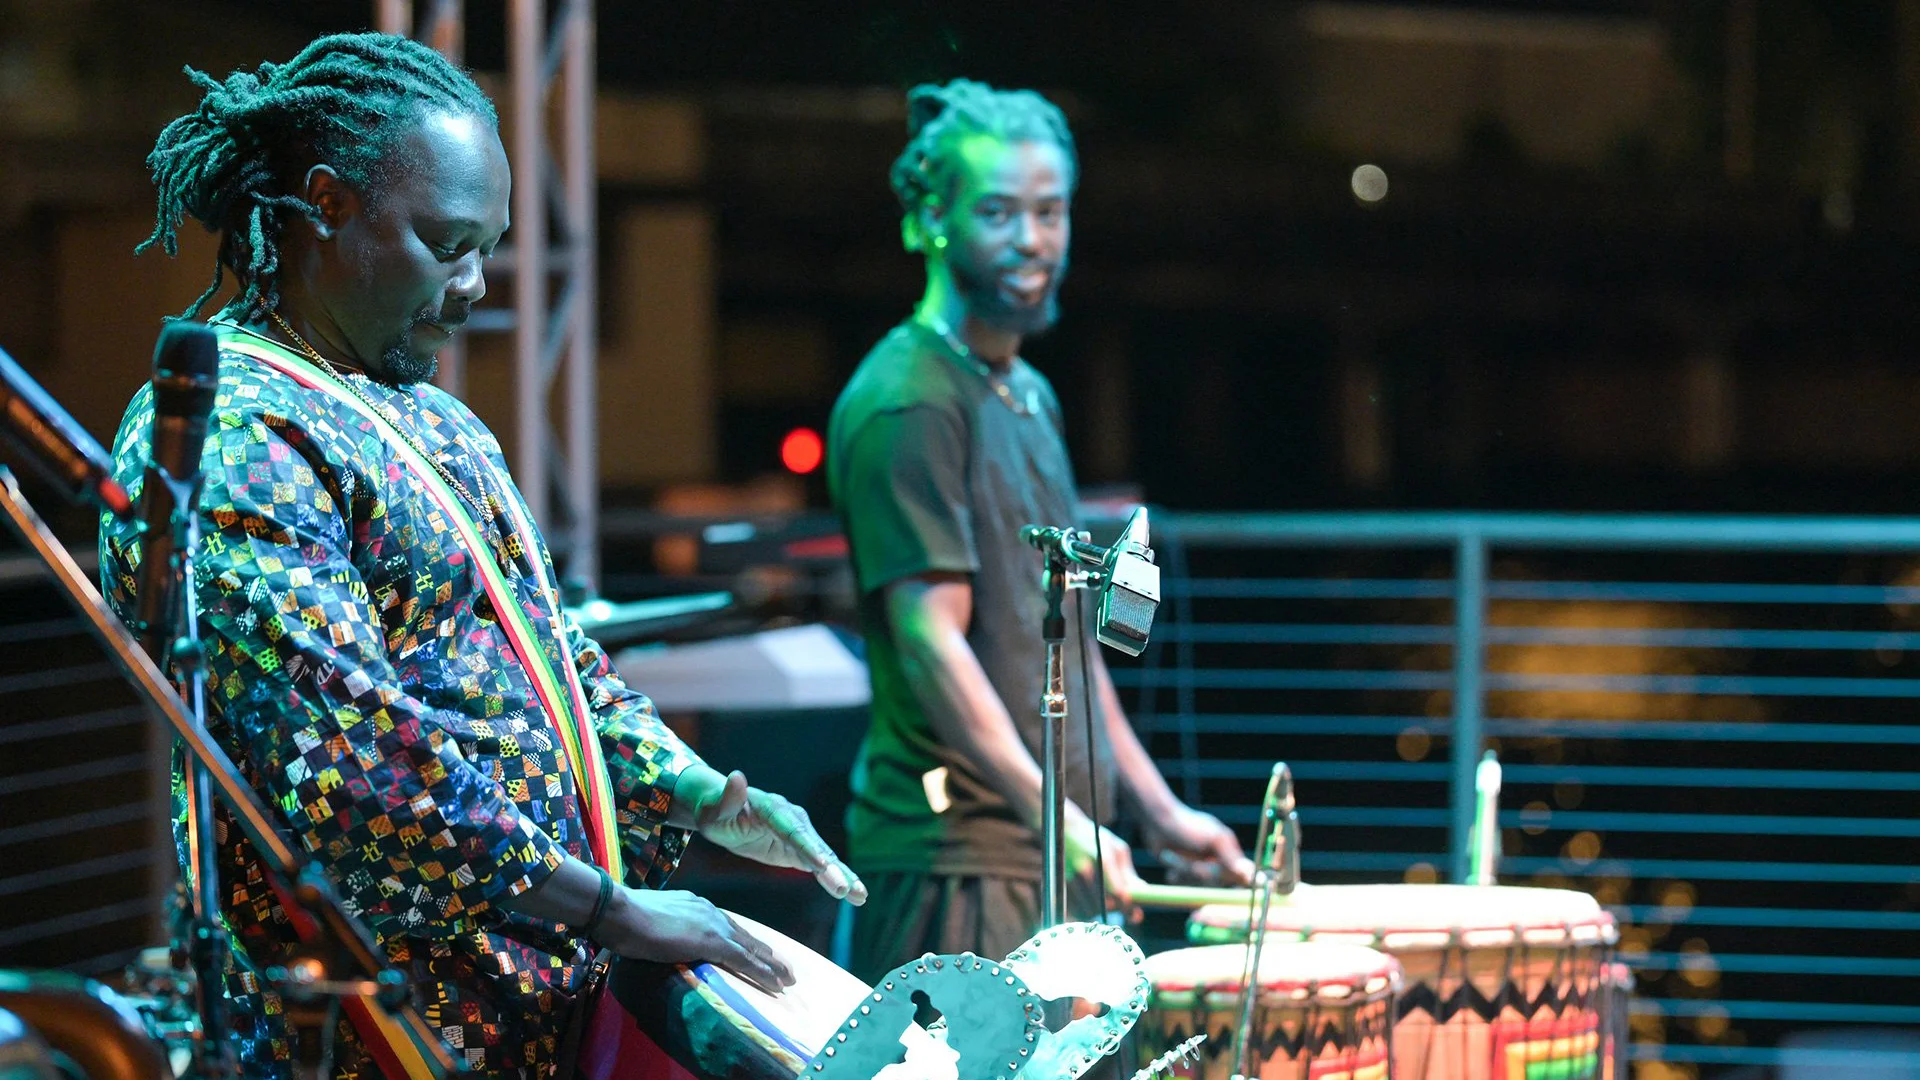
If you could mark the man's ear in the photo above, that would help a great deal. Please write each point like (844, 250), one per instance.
(925, 228)
(333, 197)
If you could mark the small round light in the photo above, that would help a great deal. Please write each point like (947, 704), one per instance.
(801, 451)
(1369, 183)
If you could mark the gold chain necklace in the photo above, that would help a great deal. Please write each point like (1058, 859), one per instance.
(489, 508)
(1000, 388)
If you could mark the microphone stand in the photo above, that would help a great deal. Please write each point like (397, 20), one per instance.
(168, 628)
(338, 957)
(1065, 549)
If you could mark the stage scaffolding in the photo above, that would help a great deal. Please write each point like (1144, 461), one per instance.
(550, 260)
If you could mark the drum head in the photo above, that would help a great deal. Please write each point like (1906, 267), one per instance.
(1289, 971)
(1397, 917)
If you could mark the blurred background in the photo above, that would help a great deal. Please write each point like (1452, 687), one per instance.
(1631, 256)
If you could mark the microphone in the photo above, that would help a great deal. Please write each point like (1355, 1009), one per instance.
(54, 443)
(186, 364)
(1130, 582)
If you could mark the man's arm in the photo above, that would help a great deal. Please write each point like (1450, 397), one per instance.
(664, 789)
(929, 615)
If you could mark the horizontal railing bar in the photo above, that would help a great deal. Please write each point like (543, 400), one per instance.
(1668, 592)
(75, 920)
(92, 819)
(1621, 821)
(1400, 679)
(1420, 634)
(1669, 776)
(1786, 918)
(44, 628)
(71, 725)
(1367, 860)
(1716, 870)
(1728, 824)
(1770, 964)
(1859, 1013)
(105, 963)
(1216, 769)
(68, 774)
(1618, 531)
(1688, 730)
(66, 676)
(1816, 1057)
(1591, 775)
(80, 871)
(1309, 588)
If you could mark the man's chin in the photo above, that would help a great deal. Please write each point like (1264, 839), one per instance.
(405, 366)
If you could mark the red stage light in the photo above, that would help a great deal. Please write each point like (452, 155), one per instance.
(802, 450)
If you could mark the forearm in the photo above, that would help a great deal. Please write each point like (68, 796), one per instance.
(967, 715)
(566, 896)
(1140, 778)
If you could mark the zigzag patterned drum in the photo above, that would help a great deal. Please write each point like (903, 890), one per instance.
(1324, 1011)
(1502, 983)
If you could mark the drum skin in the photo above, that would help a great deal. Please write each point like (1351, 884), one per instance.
(1323, 1011)
(1501, 982)
(674, 1022)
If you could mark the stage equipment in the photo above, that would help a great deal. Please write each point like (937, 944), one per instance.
(1129, 587)
(1320, 1010)
(96, 1029)
(55, 444)
(612, 624)
(1276, 869)
(1496, 976)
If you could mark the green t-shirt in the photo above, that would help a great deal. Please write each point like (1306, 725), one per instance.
(931, 470)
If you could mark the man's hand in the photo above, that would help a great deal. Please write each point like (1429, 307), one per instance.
(677, 927)
(1201, 845)
(1116, 857)
(766, 828)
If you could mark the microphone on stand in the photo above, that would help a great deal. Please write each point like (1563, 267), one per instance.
(54, 443)
(186, 363)
(1129, 581)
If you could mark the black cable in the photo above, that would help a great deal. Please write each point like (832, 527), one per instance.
(1093, 753)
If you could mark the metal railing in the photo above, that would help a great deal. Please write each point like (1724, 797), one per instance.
(1718, 711)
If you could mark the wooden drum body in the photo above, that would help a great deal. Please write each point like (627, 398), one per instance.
(1502, 983)
(1324, 1011)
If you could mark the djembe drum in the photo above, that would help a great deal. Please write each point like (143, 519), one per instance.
(1501, 982)
(1322, 1011)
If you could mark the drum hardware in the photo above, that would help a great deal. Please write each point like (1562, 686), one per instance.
(1178, 1055)
(97, 1030)
(678, 1020)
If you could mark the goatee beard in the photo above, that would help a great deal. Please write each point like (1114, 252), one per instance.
(400, 364)
(987, 303)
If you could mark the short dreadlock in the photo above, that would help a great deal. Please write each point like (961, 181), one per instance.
(940, 117)
(233, 163)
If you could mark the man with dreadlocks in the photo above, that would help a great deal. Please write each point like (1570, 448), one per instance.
(387, 659)
(941, 447)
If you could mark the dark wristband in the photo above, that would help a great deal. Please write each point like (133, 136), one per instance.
(592, 925)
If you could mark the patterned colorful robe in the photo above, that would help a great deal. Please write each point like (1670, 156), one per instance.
(369, 699)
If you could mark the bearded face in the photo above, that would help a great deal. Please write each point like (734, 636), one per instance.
(1007, 231)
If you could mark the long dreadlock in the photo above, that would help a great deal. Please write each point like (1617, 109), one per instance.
(939, 118)
(233, 163)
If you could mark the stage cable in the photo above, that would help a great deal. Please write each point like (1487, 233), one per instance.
(1091, 704)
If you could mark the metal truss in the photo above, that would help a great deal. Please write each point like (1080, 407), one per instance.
(551, 260)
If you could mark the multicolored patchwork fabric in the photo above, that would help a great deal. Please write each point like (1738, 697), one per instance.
(371, 700)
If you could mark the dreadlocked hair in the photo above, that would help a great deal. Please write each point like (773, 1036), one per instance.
(939, 118)
(232, 164)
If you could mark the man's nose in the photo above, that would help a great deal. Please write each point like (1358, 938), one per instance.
(469, 280)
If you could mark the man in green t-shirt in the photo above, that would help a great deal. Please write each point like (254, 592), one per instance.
(941, 446)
